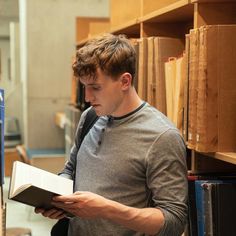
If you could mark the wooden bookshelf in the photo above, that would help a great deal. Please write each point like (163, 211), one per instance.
(178, 11)
(229, 157)
(131, 28)
(123, 12)
(87, 27)
(171, 18)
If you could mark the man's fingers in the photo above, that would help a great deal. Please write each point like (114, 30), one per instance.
(65, 205)
(52, 212)
(57, 215)
(66, 199)
(38, 210)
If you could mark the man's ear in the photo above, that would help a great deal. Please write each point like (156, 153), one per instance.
(126, 80)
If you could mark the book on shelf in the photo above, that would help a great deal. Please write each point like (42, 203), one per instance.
(36, 187)
(142, 69)
(192, 85)
(164, 48)
(178, 93)
(216, 101)
(135, 43)
(150, 71)
(211, 204)
(186, 89)
(192, 216)
(170, 79)
(174, 77)
(223, 209)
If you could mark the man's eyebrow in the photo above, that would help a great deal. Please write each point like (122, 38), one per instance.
(92, 84)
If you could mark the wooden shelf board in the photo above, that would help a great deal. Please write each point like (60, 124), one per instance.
(85, 40)
(81, 42)
(211, 1)
(131, 27)
(224, 156)
(179, 11)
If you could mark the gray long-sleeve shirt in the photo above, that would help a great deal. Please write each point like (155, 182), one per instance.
(137, 160)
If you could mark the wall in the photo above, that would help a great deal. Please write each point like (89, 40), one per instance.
(47, 33)
(9, 46)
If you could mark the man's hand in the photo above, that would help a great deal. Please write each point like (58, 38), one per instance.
(89, 205)
(82, 204)
(52, 213)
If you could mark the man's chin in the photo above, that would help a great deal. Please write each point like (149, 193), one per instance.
(98, 110)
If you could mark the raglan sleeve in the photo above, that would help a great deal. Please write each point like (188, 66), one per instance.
(70, 165)
(167, 181)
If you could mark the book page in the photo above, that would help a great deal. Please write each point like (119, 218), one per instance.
(29, 175)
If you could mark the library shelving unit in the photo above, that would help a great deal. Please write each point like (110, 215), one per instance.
(170, 18)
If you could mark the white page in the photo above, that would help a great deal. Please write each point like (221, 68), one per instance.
(30, 175)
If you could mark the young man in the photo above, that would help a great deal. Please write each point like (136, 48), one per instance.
(130, 169)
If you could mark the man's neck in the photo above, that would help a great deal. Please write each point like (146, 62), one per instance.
(130, 103)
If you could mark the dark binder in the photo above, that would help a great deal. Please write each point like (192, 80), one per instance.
(224, 208)
(192, 216)
(215, 206)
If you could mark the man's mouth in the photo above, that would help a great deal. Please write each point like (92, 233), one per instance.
(95, 105)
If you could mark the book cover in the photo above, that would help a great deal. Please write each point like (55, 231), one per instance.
(193, 81)
(151, 91)
(203, 201)
(192, 216)
(142, 69)
(179, 93)
(223, 209)
(201, 136)
(216, 99)
(164, 48)
(170, 79)
(186, 89)
(36, 187)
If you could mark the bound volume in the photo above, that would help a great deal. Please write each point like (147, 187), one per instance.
(36, 187)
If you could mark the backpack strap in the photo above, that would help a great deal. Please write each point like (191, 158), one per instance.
(90, 120)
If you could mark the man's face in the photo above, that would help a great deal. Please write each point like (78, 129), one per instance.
(104, 94)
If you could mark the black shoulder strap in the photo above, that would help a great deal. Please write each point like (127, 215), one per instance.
(90, 120)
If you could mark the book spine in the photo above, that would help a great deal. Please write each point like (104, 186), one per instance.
(170, 76)
(186, 89)
(142, 70)
(150, 72)
(208, 223)
(159, 70)
(201, 130)
(179, 91)
(136, 47)
(192, 216)
(200, 206)
(193, 75)
(212, 89)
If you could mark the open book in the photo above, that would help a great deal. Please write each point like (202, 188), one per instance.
(36, 187)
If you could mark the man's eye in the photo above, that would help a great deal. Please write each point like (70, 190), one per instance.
(96, 87)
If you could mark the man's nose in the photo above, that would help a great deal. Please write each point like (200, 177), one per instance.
(88, 95)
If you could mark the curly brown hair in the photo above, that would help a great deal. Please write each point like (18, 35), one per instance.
(113, 54)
